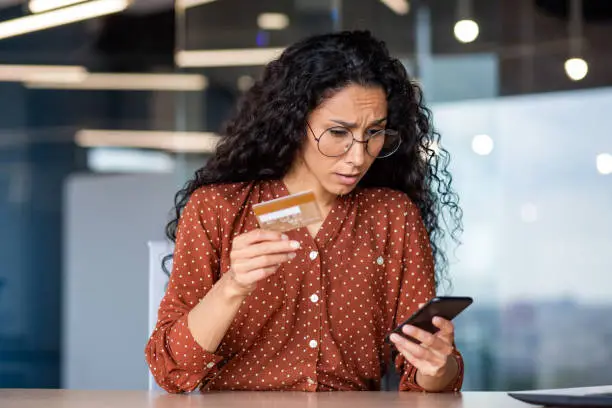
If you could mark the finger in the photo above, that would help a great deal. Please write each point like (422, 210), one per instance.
(419, 357)
(417, 351)
(258, 235)
(446, 326)
(263, 261)
(419, 334)
(424, 366)
(265, 248)
(429, 341)
(255, 276)
(412, 359)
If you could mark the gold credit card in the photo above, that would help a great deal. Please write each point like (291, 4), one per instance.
(287, 213)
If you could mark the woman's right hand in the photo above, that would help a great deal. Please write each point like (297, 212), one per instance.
(256, 255)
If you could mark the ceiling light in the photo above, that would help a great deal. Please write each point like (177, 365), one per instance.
(398, 6)
(191, 3)
(272, 21)
(77, 77)
(576, 68)
(186, 142)
(244, 83)
(40, 6)
(23, 73)
(104, 160)
(131, 82)
(80, 12)
(466, 31)
(604, 163)
(482, 145)
(227, 58)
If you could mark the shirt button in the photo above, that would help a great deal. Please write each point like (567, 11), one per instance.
(314, 298)
(313, 255)
(210, 365)
(380, 260)
(311, 381)
(313, 344)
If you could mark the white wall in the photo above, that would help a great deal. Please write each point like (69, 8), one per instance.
(109, 220)
(544, 157)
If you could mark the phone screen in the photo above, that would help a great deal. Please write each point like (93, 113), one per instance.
(447, 307)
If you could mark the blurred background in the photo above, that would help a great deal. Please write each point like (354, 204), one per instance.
(107, 107)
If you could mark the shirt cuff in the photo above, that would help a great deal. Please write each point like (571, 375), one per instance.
(408, 379)
(188, 354)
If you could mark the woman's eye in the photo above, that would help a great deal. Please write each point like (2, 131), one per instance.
(338, 132)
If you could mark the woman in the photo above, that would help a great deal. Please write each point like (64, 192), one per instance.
(250, 309)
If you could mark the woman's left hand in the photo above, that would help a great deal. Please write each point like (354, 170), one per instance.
(431, 357)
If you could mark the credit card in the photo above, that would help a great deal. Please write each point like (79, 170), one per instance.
(289, 212)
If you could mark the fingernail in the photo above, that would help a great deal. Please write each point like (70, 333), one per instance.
(408, 329)
(291, 255)
(284, 237)
(295, 244)
(394, 337)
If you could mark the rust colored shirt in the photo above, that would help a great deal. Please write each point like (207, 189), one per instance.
(319, 322)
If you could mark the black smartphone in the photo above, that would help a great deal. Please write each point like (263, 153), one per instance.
(447, 307)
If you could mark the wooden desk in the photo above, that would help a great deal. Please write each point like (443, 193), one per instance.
(144, 399)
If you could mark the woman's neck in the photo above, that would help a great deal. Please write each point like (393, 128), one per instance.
(301, 179)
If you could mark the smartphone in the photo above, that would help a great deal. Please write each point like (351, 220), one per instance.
(447, 307)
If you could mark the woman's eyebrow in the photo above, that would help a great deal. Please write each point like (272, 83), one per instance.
(354, 125)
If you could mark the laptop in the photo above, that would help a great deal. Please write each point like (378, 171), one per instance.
(578, 397)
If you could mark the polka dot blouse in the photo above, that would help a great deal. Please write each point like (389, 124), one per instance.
(319, 323)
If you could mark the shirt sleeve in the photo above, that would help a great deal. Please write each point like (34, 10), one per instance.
(418, 286)
(177, 362)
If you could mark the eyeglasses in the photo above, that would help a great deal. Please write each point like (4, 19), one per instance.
(338, 140)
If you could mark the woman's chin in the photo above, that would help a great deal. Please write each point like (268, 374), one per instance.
(338, 188)
(343, 189)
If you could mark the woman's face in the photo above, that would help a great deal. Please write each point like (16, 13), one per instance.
(355, 109)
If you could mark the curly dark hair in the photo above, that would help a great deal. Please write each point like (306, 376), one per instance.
(264, 136)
